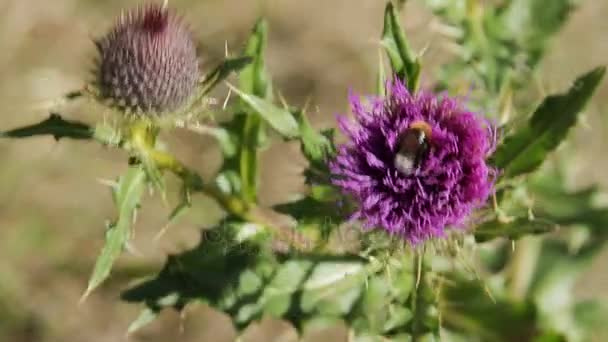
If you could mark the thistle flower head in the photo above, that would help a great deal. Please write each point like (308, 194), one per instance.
(415, 163)
(148, 61)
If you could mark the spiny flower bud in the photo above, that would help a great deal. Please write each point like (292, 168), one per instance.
(148, 61)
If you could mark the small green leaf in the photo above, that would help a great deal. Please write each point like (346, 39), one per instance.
(533, 22)
(60, 128)
(279, 119)
(180, 209)
(556, 271)
(402, 285)
(591, 315)
(403, 60)
(276, 297)
(381, 79)
(401, 338)
(146, 316)
(249, 283)
(150, 313)
(222, 72)
(333, 287)
(324, 193)
(315, 146)
(375, 304)
(366, 337)
(127, 196)
(398, 317)
(56, 126)
(526, 149)
(224, 137)
(323, 216)
(254, 79)
(514, 229)
(228, 182)
(474, 313)
(319, 322)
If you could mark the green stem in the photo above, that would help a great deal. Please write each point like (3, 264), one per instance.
(416, 300)
(142, 141)
(522, 266)
(249, 158)
(475, 17)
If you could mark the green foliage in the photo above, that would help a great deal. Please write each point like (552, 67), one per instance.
(253, 265)
(498, 46)
(59, 128)
(513, 228)
(532, 22)
(221, 72)
(526, 149)
(540, 275)
(126, 194)
(403, 60)
(56, 126)
(303, 288)
(254, 78)
(238, 278)
(278, 118)
(317, 147)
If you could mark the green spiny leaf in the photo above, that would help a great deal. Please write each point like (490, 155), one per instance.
(315, 146)
(127, 196)
(333, 287)
(280, 119)
(224, 137)
(150, 313)
(381, 78)
(397, 318)
(181, 208)
(222, 71)
(56, 126)
(527, 148)
(146, 316)
(254, 79)
(276, 297)
(60, 128)
(403, 60)
(514, 229)
(533, 22)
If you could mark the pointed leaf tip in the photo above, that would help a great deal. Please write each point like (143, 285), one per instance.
(280, 119)
(525, 150)
(55, 126)
(403, 60)
(127, 196)
(254, 78)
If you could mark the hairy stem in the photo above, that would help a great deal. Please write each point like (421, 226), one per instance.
(249, 157)
(416, 300)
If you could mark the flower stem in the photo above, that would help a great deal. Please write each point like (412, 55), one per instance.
(142, 143)
(416, 300)
(249, 157)
(522, 266)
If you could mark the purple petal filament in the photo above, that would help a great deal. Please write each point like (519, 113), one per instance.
(451, 181)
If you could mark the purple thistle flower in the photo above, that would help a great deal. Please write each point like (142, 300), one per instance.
(415, 163)
(148, 61)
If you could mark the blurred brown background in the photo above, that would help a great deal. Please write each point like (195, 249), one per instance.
(53, 209)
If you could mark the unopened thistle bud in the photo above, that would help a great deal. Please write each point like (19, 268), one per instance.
(148, 62)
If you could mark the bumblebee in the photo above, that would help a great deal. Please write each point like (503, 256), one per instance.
(413, 146)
